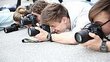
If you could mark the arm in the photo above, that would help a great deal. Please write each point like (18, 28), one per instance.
(65, 38)
(108, 45)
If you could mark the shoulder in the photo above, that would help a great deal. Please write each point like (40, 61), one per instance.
(76, 4)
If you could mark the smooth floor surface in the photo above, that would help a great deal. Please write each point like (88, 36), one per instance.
(13, 50)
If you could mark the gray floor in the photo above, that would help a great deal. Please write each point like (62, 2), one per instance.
(13, 50)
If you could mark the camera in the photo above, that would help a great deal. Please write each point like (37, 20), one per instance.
(29, 19)
(13, 27)
(32, 31)
(83, 35)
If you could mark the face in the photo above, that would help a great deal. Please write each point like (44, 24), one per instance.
(101, 18)
(59, 27)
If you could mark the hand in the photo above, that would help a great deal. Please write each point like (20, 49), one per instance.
(42, 36)
(93, 43)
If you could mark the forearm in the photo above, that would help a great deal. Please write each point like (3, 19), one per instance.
(65, 38)
(108, 45)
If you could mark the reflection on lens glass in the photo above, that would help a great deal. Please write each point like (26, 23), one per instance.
(29, 31)
(21, 22)
(5, 30)
(79, 38)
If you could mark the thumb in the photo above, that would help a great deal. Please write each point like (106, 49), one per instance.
(37, 28)
(94, 35)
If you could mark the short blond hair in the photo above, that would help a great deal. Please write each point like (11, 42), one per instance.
(20, 12)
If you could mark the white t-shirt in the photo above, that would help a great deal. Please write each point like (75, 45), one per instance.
(78, 12)
(52, 1)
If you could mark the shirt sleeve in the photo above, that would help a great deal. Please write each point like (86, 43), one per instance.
(6, 18)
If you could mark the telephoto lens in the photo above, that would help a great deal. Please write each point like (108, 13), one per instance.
(82, 36)
(13, 27)
(32, 31)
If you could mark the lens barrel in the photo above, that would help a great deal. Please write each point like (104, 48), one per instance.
(11, 28)
(32, 31)
(82, 36)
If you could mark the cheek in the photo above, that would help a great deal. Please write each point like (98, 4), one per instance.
(106, 29)
(62, 28)
(58, 29)
(39, 17)
(52, 29)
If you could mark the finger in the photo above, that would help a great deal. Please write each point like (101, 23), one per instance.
(37, 28)
(94, 35)
(87, 43)
(96, 39)
(38, 24)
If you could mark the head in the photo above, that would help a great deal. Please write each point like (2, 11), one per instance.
(56, 16)
(100, 13)
(37, 8)
(20, 12)
(17, 17)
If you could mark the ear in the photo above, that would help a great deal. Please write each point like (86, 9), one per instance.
(64, 19)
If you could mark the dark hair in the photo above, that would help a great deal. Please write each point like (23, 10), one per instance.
(38, 6)
(102, 5)
(54, 12)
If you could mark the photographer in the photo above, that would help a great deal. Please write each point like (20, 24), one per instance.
(20, 12)
(100, 13)
(25, 16)
(62, 23)
(37, 8)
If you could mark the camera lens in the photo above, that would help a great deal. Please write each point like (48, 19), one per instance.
(78, 37)
(10, 29)
(29, 31)
(32, 31)
(82, 36)
(5, 30)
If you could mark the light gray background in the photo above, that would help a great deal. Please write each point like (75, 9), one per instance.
(13, 50)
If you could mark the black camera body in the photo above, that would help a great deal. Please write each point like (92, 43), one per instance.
(83, 35)
(32, 31)
(13, 27)
(29, 19)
